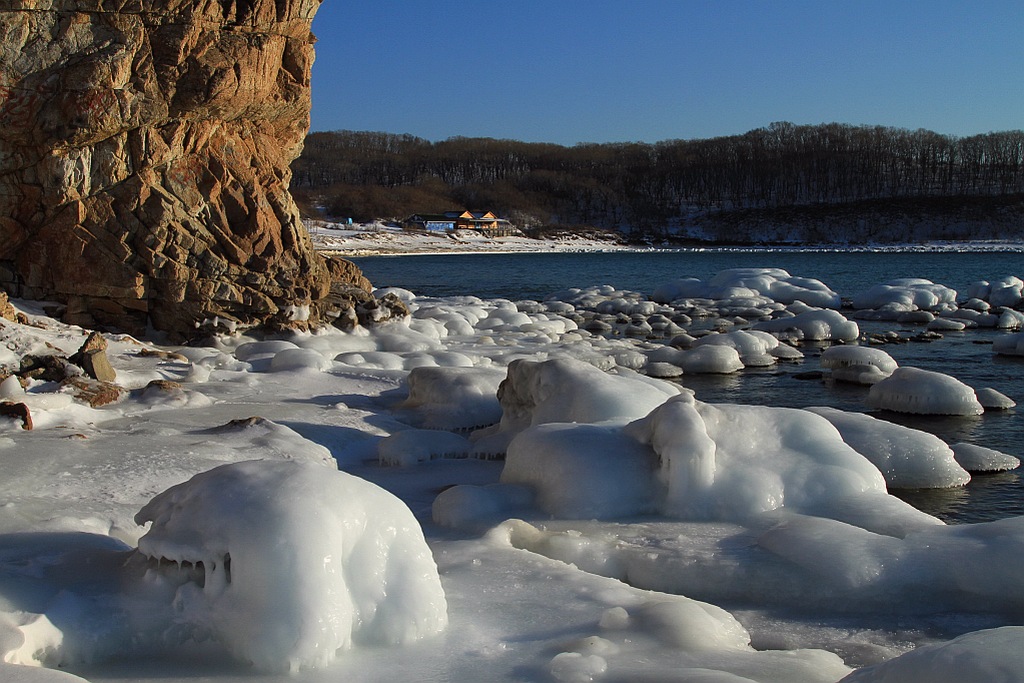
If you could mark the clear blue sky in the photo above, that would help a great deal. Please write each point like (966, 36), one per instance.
(569, 71)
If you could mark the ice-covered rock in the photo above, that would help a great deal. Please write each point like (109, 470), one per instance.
(755, 348)
(774, 284)
(582, 470)
(1009, 345)
(731, 462)
(857, 364)
(907, 458)
(452, 398)
(814, 325)
(923, 392)
(908, 293)
(975, 458)
(1006, 291)
(992, 656)
(711, 359)
(991, 399)
(289, 563)
(568, 390)
(413, 446)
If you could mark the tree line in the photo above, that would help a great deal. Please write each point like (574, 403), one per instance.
(652, 188)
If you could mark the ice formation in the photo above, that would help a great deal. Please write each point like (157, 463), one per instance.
(453, 398)
(711, 359)
(755, 348)
(923, 392)
(990, 399)
(775, 284)
(419, 445)
(992, 655)
(907, 458)
(567, 390)
(1009, 345)
(906, 294)
(612, 475)
(292, 562)
(814, 325)
(731, 462)
(857, 364)
(975, 458)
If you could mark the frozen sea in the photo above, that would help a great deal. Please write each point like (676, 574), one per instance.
(369, 505)
(964, 355)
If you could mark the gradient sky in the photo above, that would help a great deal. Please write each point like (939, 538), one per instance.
(569, 71)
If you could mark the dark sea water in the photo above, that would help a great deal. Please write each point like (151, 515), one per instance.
(965, 355)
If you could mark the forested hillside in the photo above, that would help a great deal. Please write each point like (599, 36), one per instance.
(828, 182)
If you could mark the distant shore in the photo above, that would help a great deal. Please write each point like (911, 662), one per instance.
(380, 240)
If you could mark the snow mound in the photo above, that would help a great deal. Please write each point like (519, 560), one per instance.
(814, 325)
(924, 392)
(857, 364)
(993, 656)
(755, 348)
(456, 399)
(975, 458)
(720, 359)
(569, 390)
(775, 284)
(908, 458)
(610, 474)
(1010, 345)
(906, 294)
(731, 462)
(296, 562)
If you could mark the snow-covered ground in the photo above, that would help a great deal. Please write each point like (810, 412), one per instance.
(373, 239)
(490, 490)
(377, 239)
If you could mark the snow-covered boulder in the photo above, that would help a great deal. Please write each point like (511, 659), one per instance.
(730, 462)
(568, 390)
(907, 458)
(286, 564)
(992, 656)
(773, 284)
(908, 294)
(814, 325)
(452, 398)
(716, 359)
(923, 392)
(975, 458)
(857, 364)
(1009, 345)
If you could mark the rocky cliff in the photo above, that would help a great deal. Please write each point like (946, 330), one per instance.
(144, 154)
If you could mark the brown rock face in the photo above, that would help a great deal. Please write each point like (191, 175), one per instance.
(144, 152)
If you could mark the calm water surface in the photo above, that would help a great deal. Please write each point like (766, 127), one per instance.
(966, 355)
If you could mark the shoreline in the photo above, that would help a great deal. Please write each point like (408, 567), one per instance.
(363, 243)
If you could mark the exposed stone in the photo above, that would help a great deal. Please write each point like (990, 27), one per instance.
(51, 368)
(345, 272)
(388, 307)
(94, 342)
(7, 311)
(97, 365)
(19, 411)
(160, 353)
(95, 393)
(144, 162)
(92, 357)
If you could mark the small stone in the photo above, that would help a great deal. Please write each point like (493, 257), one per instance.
(93, 392)
(97, 365)
(19, 411)
(50, 368)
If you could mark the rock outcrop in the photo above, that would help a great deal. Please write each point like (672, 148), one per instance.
(144, 161)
